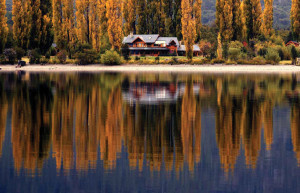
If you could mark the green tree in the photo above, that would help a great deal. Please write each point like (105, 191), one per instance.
(295, 18)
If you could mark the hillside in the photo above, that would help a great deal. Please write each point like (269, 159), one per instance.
(281, 12)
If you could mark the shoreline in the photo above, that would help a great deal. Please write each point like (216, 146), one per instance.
(219, 68)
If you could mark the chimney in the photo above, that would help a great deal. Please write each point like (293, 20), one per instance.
(131, 35)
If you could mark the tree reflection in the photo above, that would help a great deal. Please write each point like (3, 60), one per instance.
(295, 128)
(88, 118)
(31, 126)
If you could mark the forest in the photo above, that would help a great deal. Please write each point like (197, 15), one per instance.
(91, 31)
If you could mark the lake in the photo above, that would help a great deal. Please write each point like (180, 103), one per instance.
(147, 132)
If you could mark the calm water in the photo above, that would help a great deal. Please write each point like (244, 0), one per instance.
(149, 133)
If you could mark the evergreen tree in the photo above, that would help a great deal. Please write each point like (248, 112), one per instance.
(36, 19)
(3, 25)
(197, 14)
(268, 18)
(177, 19)
(236, 20)
(188, 27)
(295, 18)
(114, 16)
(141, 26)
(21, 22)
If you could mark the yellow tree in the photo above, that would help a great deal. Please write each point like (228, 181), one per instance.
(83, 20)
(268, 18)
(114, 17)
(237, 19)
(3, 25)
(224, 16)
(129, 15)
(94, 24)
(197, 13)
(103, 34)
(57, 23)
(22, 22)
(243, 22)
(295, 18)
(68, 24)
(188, 27)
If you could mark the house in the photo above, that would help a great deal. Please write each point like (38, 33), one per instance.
(296, 44)
(153, 45)
(181, 50)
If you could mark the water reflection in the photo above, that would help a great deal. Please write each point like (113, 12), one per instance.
(79, 119)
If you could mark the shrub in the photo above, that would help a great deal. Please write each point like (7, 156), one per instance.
(86, 56)
(111, 57)
(233, 53)
(10, 55)
(262, 52)
(62, 56)
(20, 53)
(217, 61)
(2, 59)
(157, 59)
(34, 56)
(44, 60)
(272, 56)
(174, 60)
(236, 44)
(294, 55)
(258, 60)
(136, 58)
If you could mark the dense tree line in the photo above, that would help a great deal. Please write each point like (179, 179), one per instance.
(102, 24)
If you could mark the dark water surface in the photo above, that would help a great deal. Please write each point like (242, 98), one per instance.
(81, 132)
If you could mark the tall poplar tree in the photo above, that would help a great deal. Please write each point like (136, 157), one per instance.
(129, 15)
(114, 16)
(46, 26)
(104, 40)
(268, 18)
(237, 20)
(188, 27)
(228, 19)
(94, 25)
(36, 19)
(68, 25)
(197, 14)
(57, 22)
(295, 18)
(253, 17)
(224, 19)
(22, 22)
(83, 20)
(3, 25)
